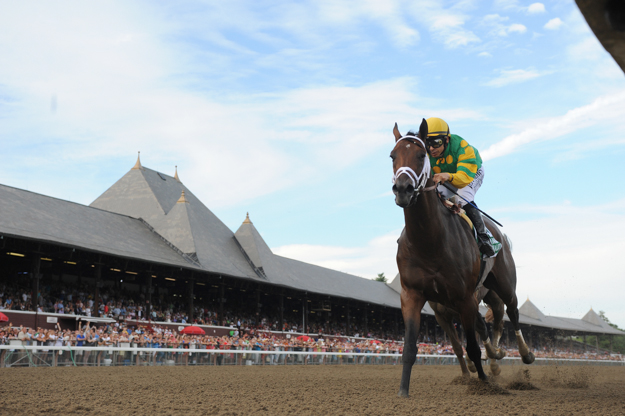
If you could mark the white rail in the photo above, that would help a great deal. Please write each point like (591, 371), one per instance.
(31, 355)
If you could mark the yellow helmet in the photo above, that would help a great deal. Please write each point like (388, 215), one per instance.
(437, 127)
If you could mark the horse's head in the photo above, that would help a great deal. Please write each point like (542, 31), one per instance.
(411, 165)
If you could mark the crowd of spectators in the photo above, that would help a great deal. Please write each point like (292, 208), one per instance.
(57, 297)
(121, 335)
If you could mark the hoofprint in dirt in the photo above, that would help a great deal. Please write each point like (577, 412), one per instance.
(277, 390)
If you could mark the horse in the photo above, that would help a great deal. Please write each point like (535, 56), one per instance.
(439, 260)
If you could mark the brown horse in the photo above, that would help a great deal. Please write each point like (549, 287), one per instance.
(438, 258)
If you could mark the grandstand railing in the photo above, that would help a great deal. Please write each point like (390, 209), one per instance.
(49, 356)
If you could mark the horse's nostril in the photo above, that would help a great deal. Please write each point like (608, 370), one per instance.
(410, 189)
(394, 189)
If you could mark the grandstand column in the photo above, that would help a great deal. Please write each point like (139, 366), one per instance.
(348, 331)
(221, 302)
(257, 306)
(148, 306)
(281, 323)
(190, 292)
(366, 329)
(36, 266)
(585, 349)
(96, 299)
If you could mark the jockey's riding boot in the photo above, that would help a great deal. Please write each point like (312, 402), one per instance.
(483, 238)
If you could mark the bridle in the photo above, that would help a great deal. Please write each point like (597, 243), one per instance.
(418, 181)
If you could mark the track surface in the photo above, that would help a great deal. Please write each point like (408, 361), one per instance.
(334, 390)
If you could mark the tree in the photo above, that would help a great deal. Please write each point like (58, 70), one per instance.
(381, 278)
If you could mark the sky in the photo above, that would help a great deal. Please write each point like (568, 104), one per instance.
(285, 110)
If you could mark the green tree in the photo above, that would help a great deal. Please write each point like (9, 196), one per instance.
(381, 278)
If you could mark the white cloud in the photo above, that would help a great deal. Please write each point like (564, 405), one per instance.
(378, 256)
(485, 54)
(513, 76)
(446, 25)
(609, 107)
(517, 27)
(554, 24)
(497, 26)
(574, 252)
(536, 8)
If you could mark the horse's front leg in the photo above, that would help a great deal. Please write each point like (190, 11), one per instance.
(412, 302)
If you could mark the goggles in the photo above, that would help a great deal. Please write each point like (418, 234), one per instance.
(435, 142)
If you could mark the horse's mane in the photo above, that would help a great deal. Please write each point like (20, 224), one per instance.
(412, 133)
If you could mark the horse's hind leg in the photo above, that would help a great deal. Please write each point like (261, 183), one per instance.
(444, 320)
(411, 304)
(513, 313)
(495, 315)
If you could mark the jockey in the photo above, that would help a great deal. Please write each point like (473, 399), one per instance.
(459, 164)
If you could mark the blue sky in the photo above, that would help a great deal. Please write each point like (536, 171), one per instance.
(285, 110)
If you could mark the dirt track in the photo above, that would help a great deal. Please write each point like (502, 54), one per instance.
(332, 390)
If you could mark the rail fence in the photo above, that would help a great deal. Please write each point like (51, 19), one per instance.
(49, 356)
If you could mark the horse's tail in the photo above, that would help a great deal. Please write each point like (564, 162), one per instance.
(508, 241)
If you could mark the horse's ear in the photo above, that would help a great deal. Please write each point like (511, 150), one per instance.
(423, 130)
(396, 133)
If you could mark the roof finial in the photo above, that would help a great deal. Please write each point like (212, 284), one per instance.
(138, 164)
(528, 298)
(182, 199)
(176, 174)
(247, 219)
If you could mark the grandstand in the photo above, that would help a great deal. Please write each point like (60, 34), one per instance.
(150, 238)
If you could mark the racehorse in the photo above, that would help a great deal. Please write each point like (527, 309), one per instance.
(438, 258)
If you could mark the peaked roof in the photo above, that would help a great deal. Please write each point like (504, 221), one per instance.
(253, 244)
(529, 309)
(38, 217)
(183, 220)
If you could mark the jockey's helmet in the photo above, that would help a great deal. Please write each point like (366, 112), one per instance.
(438, 134)
(437, 127)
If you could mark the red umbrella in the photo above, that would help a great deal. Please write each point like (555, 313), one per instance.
(193, 330)
(304, 338)
(375, 341)
(3, 317)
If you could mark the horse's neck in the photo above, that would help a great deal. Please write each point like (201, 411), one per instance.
(425, 223)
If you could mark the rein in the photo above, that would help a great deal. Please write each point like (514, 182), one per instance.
(418, 181)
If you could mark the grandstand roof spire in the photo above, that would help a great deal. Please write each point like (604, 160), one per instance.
(182, 199)
(247, 219)
(176, 174)
(138, 164)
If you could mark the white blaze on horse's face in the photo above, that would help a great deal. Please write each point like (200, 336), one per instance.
(407, 162)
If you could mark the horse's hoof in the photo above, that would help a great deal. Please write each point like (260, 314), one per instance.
(501, 353)
(529, 358)
(495, 369)
(483, 377)
(471, 366)
(402, 393)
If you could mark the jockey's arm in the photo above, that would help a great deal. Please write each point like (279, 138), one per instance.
(465, 168)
